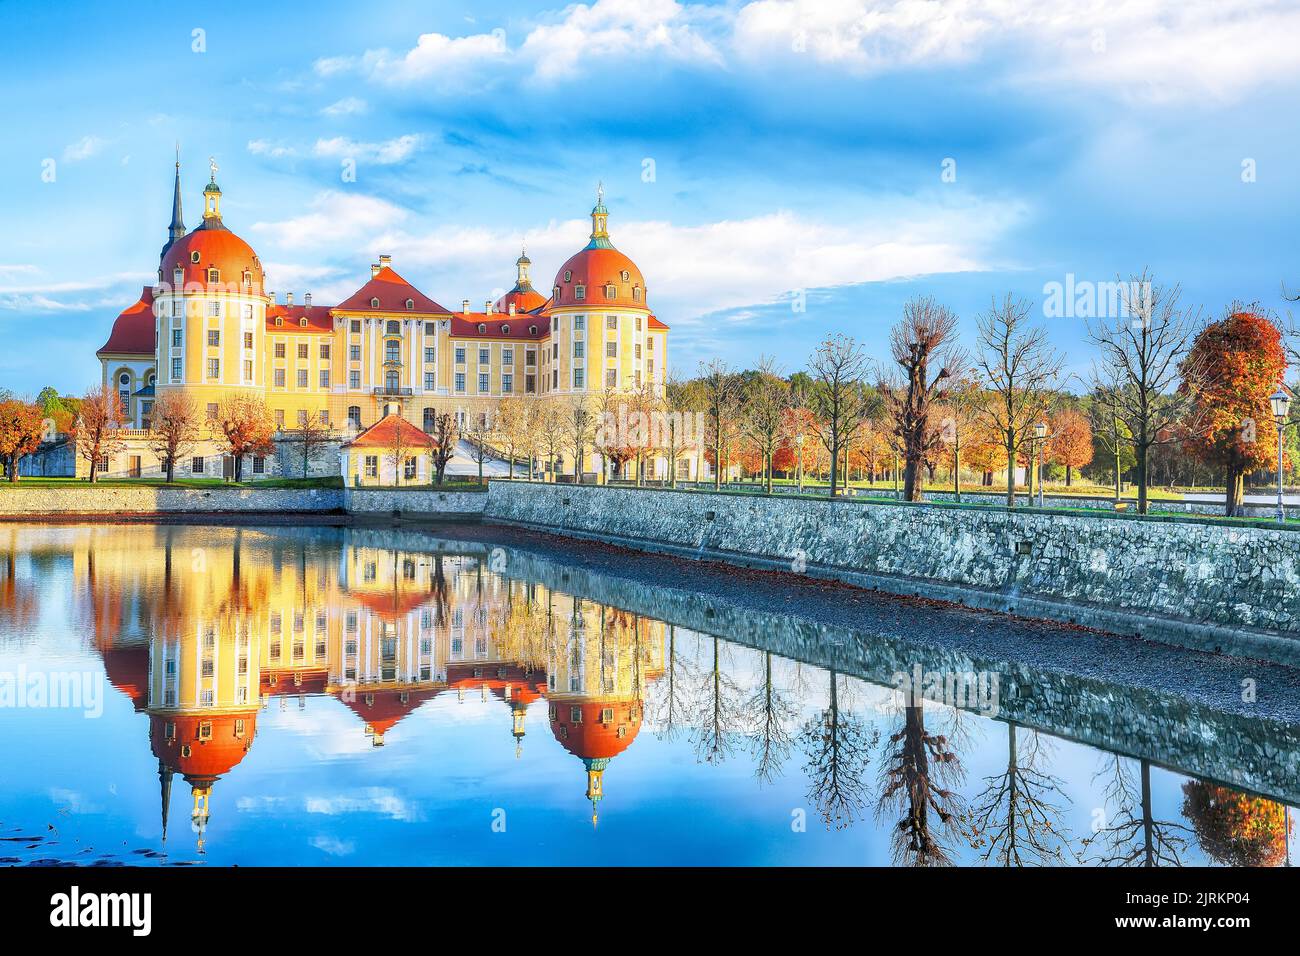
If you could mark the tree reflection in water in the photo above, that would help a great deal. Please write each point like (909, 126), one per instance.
(837, 744)
(1017, 818)
(918, 777)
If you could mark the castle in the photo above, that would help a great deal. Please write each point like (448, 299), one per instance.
(209, 328)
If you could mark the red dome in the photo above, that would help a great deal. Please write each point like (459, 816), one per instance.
(524, 300)
(595, 268)
(589, 738)
(207, 758)
(218, 248)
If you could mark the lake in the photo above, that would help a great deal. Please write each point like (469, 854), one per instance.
(215, 695)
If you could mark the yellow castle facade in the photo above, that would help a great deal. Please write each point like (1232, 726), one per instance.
(210, 328)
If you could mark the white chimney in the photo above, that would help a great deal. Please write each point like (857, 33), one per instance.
(306, 300)
(512, 308)
(374, 269)
(385, 262)
(288, 298)
(464, 306)
(487, 306)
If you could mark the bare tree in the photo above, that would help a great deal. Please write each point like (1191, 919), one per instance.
(1139, 366)
(773, 714)
(1020, 369)
(445, 436)
(837, 745)
(514, 428)
(719, 718)
(922, 339)
(579, 431)
(918, 777)
(721, 392)
(1017, 819)
(310, 439)
(1132, 835)
(99, 420)
(478, 433)
(399, 448)
(173, 429)
(839, 401)
(766, 400)
(680, 401)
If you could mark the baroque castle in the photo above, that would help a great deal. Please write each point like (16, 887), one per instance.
(388, 353)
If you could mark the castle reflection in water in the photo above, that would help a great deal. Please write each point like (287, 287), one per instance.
(204, 629)
(202, 637)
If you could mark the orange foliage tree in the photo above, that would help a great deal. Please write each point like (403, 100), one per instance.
(245, 423)
(1233, 828)
(1233, 367)
(1071, 443)
(99, 418)
(22, 428)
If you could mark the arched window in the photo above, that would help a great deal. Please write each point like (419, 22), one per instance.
(374, 302)
(532, 330)
(354, 415)
(124, 391)
(505, 330)
(636, 293)
(610, 291)
(482, 327)
(556, 295)
(392, 381)
(303, 322)
(410, 305)
(568, 274)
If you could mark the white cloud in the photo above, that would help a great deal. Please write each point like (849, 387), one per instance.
(1143, 49)
(262, 147)
(385, 153)
(335, 220)
(83, 148)
(81, 295)
(437, 60)
(348, 106)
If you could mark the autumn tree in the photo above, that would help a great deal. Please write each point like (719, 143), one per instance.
(611, 435)
(766, 398)
(1233, 367)
(721, 391)
(957, 418)
(579, 430)
(838, 399)
(1019, 369)
(309, 440)
(1235, 828)
(479, 432)
(551, 432)
(99, 421)
(22, 429)
(173, 429)
(1071, 441)
(246, 426)
(680, 405)
(1143, 348)
(444, 436)
(514, 425)
(921, 345)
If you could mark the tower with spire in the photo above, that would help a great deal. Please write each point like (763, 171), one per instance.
(177, 228)
(600, 222)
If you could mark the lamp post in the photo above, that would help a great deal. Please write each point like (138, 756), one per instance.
(1040, 433)
(1281, 402)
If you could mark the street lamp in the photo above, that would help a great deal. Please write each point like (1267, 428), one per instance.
(1040, 433)
(1281, 401)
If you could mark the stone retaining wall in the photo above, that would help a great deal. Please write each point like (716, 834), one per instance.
(1205, 584)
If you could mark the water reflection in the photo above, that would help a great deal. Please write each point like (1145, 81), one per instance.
(216, 636)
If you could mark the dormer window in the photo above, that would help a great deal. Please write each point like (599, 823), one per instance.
(248, 278)
(556, 295)
(482, 327)
(636, 293)
(303, 322)
(178, 277)
(505, 330)
(374, 302)
(580, 292)
(279, 320)
(610, 291)
(410, 305)
(194, 256)
(532, 330)
(568, 275)
(214, 275)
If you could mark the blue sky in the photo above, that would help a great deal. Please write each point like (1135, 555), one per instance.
(748, 150)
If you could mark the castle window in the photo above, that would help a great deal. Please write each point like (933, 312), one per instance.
(392, 350)
(505, 330)
(625, 275)
(580, 292)
(394, 328)
(303, 322)
(354, 415)
(568, 273)
(636, 293)
(178, 277)
(430, 419)
(610, 291)
(482, 327)
(194, 256)
(410, 305)
(214, 275)
(279, 320)
(214, 338)
(532, 330)
(248, 278)
(556, 295)
(374, 302)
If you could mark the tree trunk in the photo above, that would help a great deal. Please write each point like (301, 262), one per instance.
(1235, 492)
(1011, 475)
(1142, 452)
(1068, 472)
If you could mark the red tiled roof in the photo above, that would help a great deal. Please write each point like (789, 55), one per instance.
(524, 300)
(382, 434)
(656, 324)
(495, 325)
(392, 291)
(589, 738)
(133, 330)
(218, 248)
(317, 316)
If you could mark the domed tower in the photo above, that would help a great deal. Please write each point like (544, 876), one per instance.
(523, 297)
(599, 299)
(210, 307)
